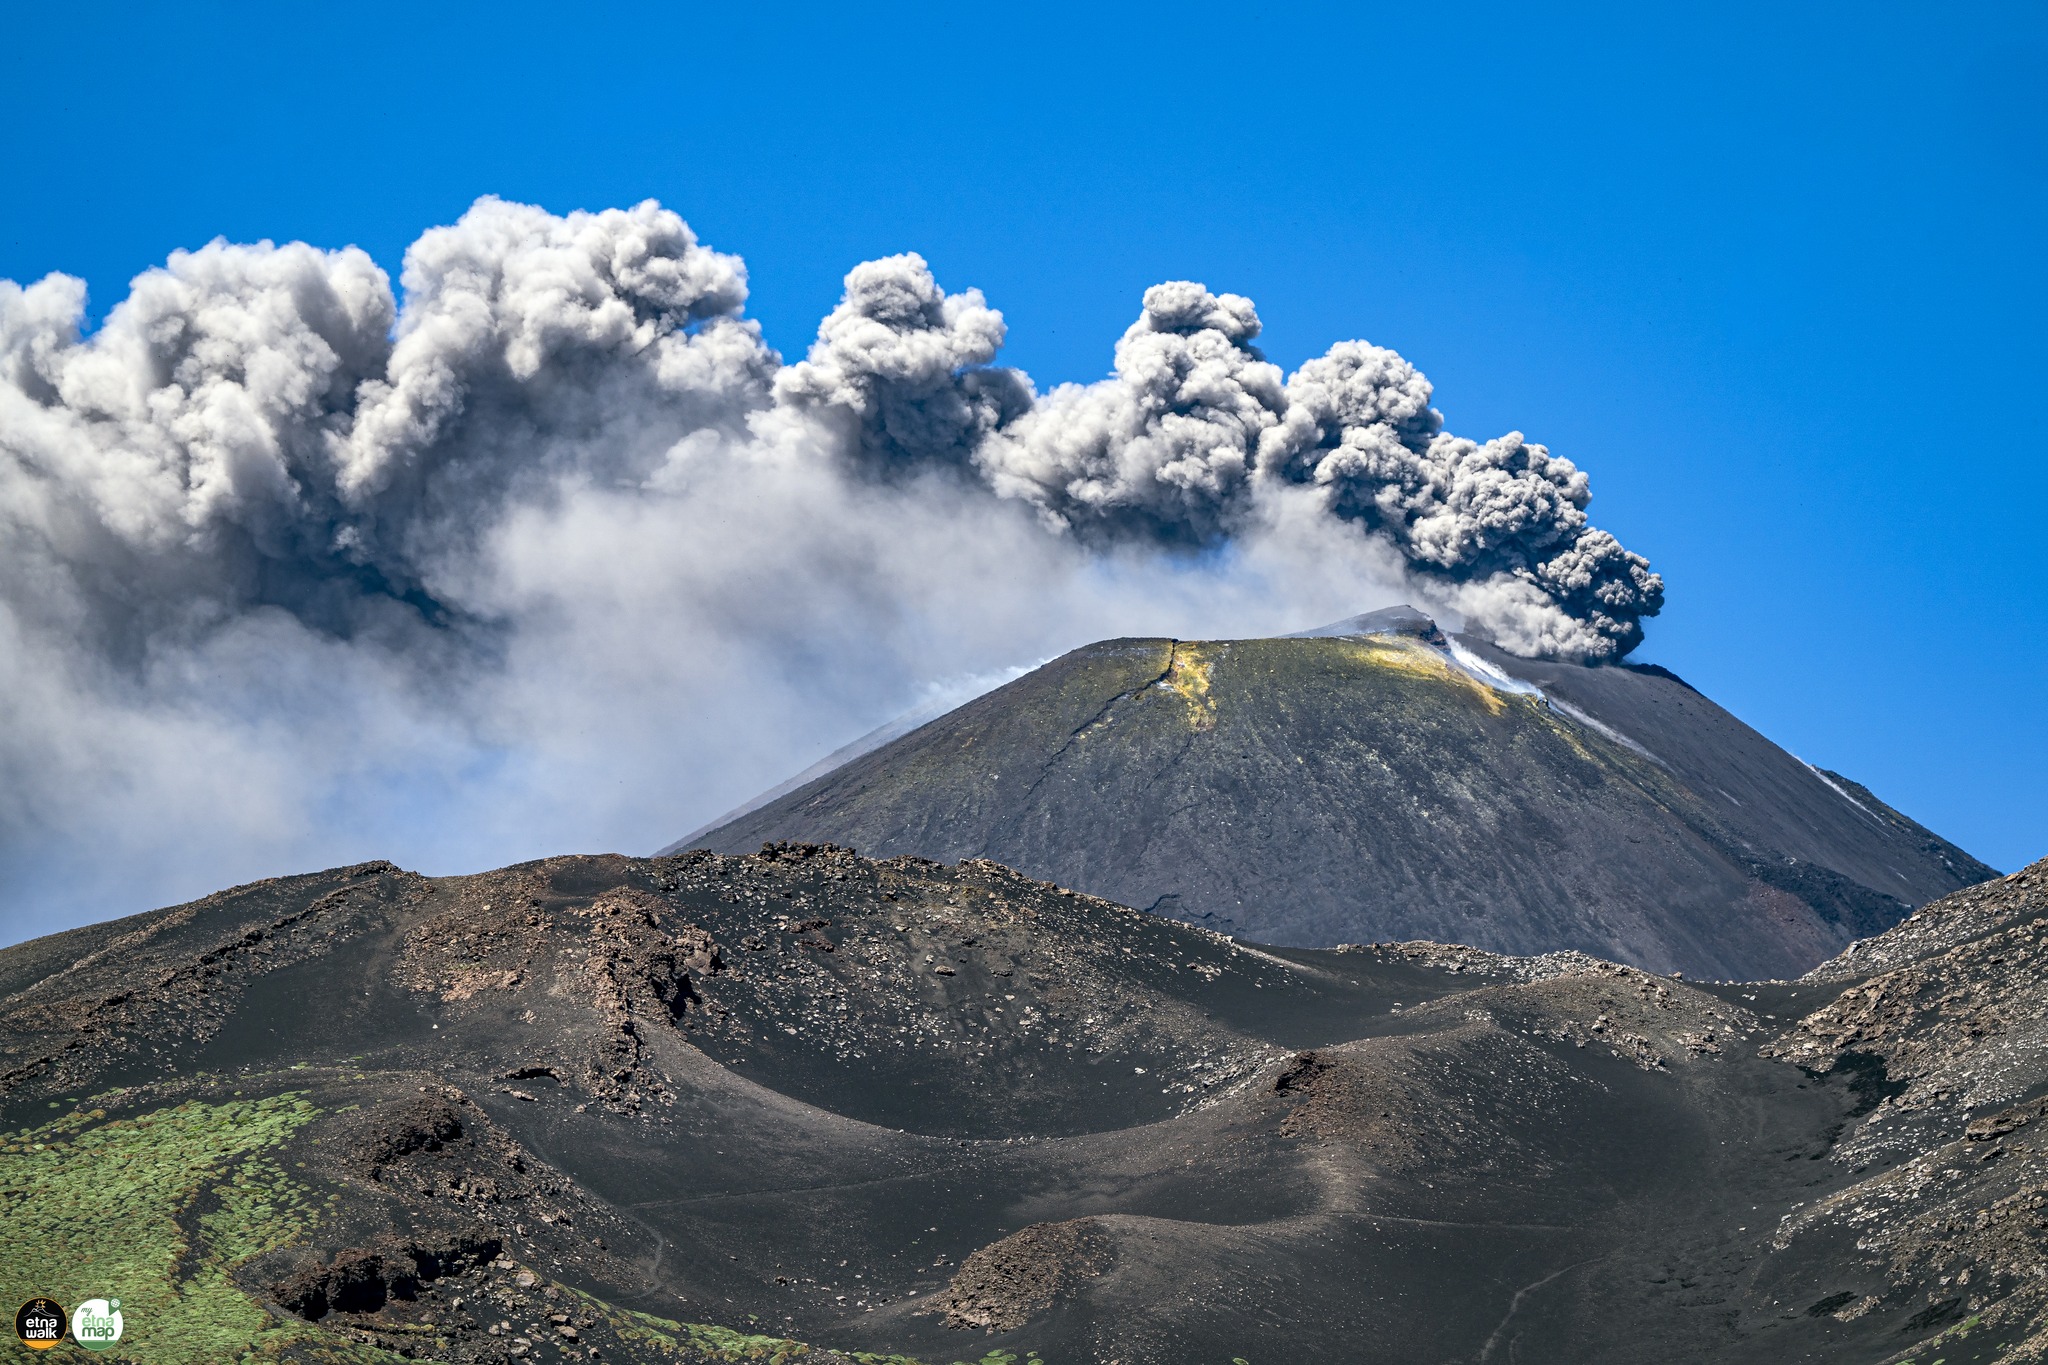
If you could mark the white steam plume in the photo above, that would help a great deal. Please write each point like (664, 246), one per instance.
(559, 555)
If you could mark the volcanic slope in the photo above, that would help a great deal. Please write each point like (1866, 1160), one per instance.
(1392, 785)
(807, 1105)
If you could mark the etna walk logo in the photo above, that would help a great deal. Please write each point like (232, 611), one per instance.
(40, 1324)
(96, 1323)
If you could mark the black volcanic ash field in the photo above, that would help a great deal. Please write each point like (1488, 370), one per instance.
(706, 1107)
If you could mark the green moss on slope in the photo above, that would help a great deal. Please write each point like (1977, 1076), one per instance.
(664, 1338)
(158, 1210)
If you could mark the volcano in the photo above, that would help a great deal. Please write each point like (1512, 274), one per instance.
(1377, 779)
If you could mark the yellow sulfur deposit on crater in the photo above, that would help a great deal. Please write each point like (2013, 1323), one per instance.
(1418, 660)
(1188, 676)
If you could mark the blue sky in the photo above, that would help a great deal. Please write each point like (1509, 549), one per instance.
(1774, 275)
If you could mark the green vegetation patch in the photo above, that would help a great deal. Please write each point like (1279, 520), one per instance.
(157, 1211)
(696, 1341)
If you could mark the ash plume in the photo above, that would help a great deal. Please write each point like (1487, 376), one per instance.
(1504, 518)
(552, 550)
(905, 367)
(1166, 449)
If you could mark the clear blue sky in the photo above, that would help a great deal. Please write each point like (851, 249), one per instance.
(1774, 274)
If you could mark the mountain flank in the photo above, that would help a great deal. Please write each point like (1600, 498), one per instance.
(804, 1105)
(1379, 780)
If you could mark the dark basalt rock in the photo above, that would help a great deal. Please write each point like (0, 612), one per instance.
(407, 1126)
(1002, 1286)
(365, 1279)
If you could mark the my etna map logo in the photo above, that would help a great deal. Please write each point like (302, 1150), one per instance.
(96, 1323)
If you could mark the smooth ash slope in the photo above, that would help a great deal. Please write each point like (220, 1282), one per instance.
(1323, 791)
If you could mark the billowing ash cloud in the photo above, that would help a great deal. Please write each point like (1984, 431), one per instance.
(262, 426)
(1166, 449)
(1196, 425)
(1505, 517)
(560, 554)
(904, 366)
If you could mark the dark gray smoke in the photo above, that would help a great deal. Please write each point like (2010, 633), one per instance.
(1168, 448)
(560, 554)
(1179, 447)
(1504, 516)
(905, 367)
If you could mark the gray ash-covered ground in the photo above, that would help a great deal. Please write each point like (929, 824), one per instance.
(708, 1108)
